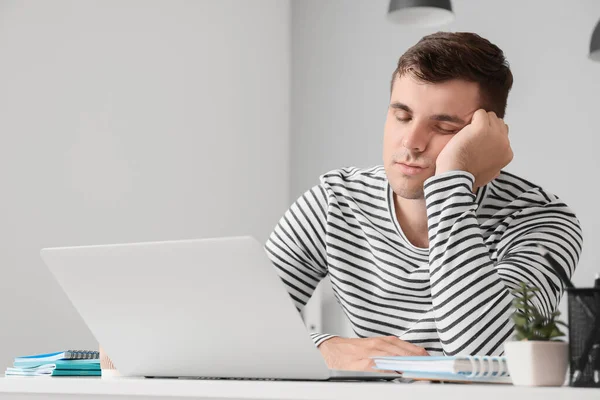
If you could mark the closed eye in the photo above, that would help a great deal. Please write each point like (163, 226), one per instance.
(448, 131)
(439, 128)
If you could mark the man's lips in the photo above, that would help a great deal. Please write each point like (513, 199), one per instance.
(409, 169)
(411, 165)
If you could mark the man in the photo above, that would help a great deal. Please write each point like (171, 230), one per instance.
(423, 251)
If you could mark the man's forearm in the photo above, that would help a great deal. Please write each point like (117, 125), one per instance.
(471, 303)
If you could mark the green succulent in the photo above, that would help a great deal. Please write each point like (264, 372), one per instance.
(530, 323)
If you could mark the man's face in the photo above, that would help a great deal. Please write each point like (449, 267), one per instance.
(421, 119)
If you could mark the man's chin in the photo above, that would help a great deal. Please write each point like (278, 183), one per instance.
(410, 189)
(407, 187)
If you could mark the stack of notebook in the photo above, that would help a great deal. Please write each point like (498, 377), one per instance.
(455, 369)
(64, 363)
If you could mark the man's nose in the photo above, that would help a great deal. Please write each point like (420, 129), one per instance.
(416, 138)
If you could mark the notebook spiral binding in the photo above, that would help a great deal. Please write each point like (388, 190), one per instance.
(483, 366)
(81, 354)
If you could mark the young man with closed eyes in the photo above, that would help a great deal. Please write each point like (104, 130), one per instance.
(422, 251)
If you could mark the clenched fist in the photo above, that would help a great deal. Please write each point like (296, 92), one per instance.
(481, 148)
(355, 354)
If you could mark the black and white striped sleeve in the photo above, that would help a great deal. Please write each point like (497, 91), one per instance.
(296, 248)
(471, 292)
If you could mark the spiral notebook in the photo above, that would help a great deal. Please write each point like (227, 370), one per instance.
(61, 355)
(62, 363)
(57, 368)
(486, 369)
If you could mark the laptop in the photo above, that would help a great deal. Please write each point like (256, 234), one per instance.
(207, 308)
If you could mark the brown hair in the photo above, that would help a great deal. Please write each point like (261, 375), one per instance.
(444, 56)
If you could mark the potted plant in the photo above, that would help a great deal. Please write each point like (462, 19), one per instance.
(537, 356)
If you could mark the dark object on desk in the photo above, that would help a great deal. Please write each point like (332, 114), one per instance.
(595, 360)
(584, 327)
(584, 337)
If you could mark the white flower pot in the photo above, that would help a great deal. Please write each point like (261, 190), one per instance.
(537, 363)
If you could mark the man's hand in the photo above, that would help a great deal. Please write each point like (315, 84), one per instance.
(354, 354)
(481, 148)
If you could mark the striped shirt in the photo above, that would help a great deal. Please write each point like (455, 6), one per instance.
(450, 298)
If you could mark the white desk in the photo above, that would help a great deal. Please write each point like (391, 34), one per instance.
(24, 388)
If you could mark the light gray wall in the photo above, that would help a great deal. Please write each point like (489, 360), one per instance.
(132, 121)
(343, 55)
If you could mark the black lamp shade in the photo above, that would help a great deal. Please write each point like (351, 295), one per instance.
(595, 44)
(421, 12)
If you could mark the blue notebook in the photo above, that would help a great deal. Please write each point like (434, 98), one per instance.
(63, 363)
(486, 369)
(60, 364)
(51, 372)
(61, 355)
